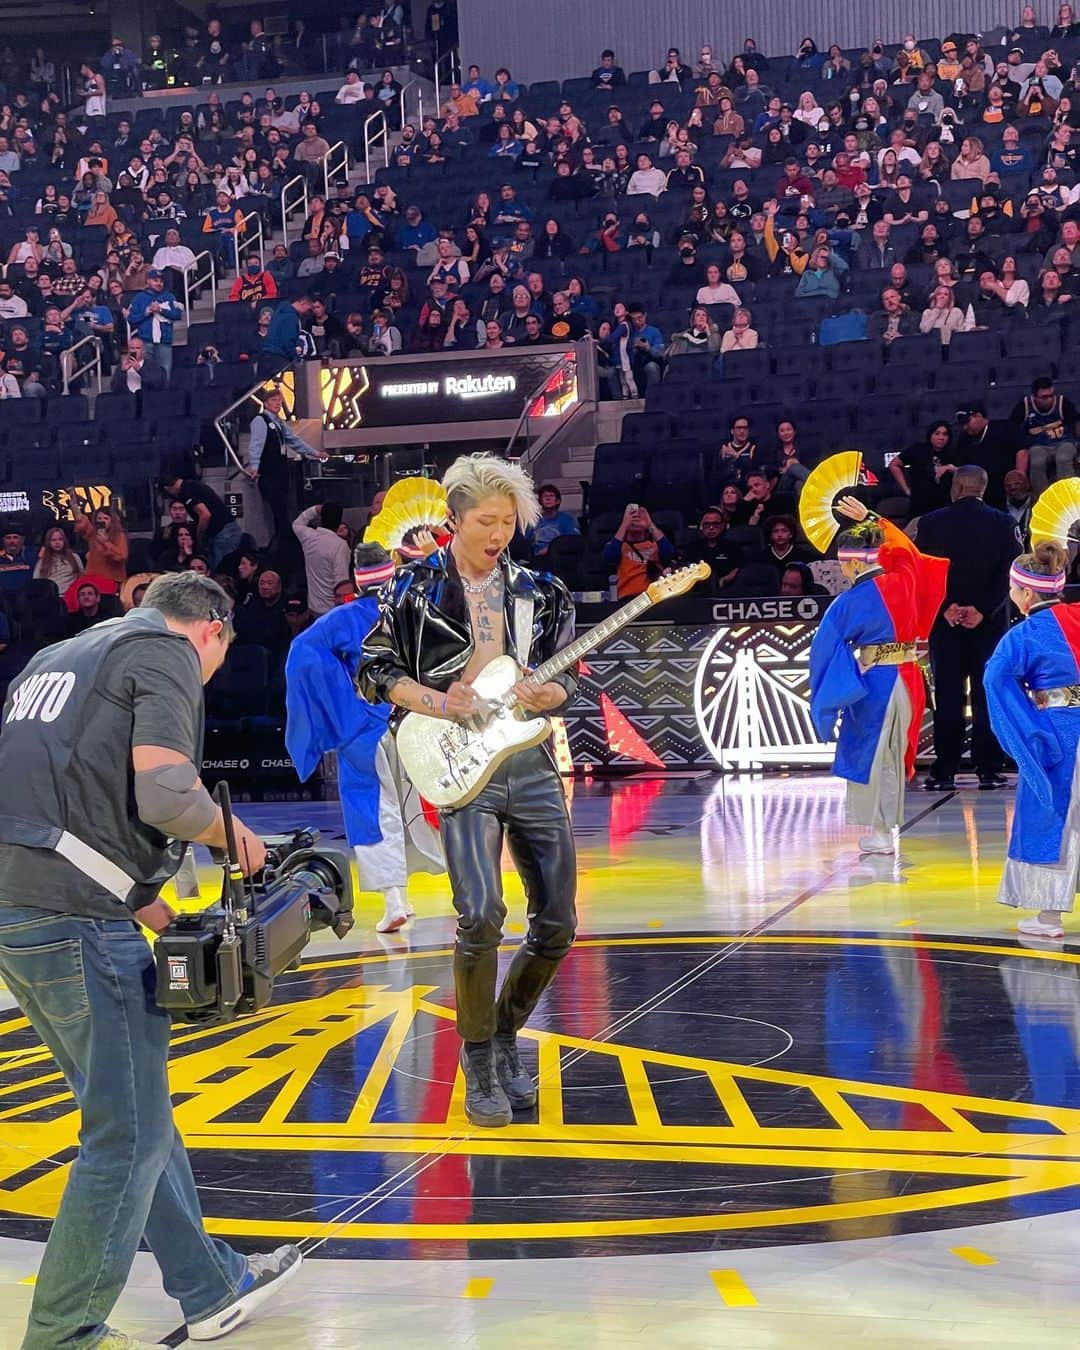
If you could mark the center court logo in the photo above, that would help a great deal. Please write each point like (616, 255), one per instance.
(316, 1104)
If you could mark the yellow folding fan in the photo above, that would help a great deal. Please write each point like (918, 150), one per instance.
(1056, 513)
(411, 504)
(825, 483)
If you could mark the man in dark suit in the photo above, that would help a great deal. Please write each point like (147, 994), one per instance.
(137, 371)
(980, 544)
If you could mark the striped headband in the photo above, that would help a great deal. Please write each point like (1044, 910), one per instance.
(1037, 581)
(377, 575)
(859, 555)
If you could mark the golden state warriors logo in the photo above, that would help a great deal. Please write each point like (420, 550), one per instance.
(694, 1093)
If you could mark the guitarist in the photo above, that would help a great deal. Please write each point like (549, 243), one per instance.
(443, 619)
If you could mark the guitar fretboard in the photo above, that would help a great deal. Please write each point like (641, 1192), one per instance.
(570, 655)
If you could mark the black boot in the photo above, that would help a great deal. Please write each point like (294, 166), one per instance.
(485, 1101)
(516, 1083)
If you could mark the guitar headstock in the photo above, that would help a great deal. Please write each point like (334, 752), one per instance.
(678, 583)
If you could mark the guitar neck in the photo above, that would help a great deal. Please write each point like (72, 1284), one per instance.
(569, 656)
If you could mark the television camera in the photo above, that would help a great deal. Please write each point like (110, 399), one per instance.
(221, 963)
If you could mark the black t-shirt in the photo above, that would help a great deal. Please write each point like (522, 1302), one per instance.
(995, 451)
(927, 494)
(723, 557)
(194, 494)
(149, 692)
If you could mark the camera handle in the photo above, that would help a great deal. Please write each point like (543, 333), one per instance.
(234, 903)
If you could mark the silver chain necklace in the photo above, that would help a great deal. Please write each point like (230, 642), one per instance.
(479, 587)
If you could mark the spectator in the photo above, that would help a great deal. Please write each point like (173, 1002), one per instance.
(254, 284)
(326, 555)
(894, 319)
(763, 500)
(738, 453)
(971, 162)
(700, 336)
(91, 608)
(1018, 502)
(1046, 423)
(877, 252)
(173, 259)
(989, 445)
(224, 224)
(17, 561)
(607, 74)
(646, 180)
(137, 371)
(715, 291)
(217, 531)
(151, 317)
(553, 522)
(793, 473)
(740, 337)
(924, 471)
(261, 620)
(942, 316)
(638, 552)
(283, 344)
(821, 277)
(647, 349)
(106, 540)
(713, 546)
(780, 546)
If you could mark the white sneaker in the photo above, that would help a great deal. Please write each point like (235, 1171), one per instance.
(120, 1340)
(266, 1275)
(397, 911)
(1035, 927)
(877, 841)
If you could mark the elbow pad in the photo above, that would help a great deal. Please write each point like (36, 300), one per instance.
(173, 800)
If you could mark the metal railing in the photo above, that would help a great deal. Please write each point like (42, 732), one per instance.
(335, 161)
(228, 416)
(70, 367)
(447, 71)
(294, 197)
(373, 138)
(201, 272)
(403, 101)
(250, 236)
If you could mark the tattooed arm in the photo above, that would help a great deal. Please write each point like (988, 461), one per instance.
(458, 701)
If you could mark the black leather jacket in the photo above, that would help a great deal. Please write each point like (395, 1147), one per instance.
(423, 631)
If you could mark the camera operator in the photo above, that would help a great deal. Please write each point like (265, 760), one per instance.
(83, 857)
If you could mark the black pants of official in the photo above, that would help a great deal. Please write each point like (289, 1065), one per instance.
(958, 657)
(524, 804)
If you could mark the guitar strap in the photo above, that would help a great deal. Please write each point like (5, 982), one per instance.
(523, 627)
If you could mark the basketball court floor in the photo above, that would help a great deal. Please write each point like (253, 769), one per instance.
(788, 1097)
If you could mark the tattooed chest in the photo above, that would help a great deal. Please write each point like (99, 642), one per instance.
(486, 622)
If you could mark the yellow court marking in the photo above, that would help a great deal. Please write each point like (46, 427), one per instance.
(973, 1256)
(655, 923)
(732, 1288)
(907, 923)
(479, 1287)
(515, 928)
(30, 1280)
(977, 948)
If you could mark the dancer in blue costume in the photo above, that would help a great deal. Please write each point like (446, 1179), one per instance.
(383, 812)
(863, 669)
(1033, 695)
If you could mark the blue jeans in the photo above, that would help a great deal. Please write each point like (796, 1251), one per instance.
(87, 986)
(227, 540)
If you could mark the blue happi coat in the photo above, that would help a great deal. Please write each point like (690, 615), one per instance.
(326, 713)
(1040, 653)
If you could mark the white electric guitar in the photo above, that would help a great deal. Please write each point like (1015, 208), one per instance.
(449, 762)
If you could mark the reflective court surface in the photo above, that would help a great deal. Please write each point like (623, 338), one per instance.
(788, 1096)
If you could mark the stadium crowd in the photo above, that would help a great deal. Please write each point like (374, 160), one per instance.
(783, 255)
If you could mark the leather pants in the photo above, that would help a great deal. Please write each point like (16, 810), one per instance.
(524, 804)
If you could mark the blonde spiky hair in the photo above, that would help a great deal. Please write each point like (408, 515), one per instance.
(473, 477)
